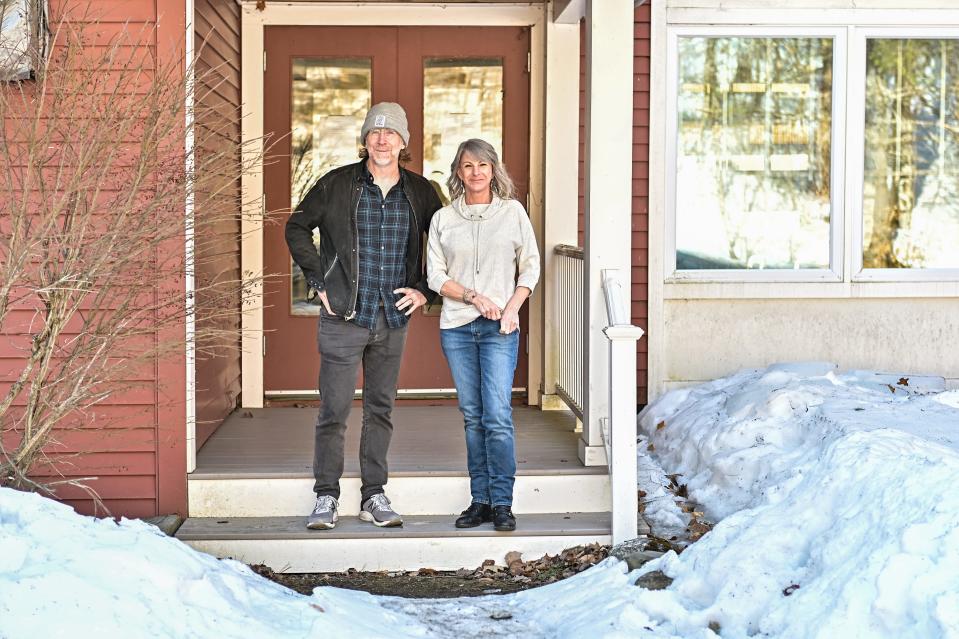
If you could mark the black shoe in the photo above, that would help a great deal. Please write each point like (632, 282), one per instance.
(503, 519)
(475, 515)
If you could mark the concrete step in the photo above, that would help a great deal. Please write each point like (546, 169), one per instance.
(210, 496)
(286, 545)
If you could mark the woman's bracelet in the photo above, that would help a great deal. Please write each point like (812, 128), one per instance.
(468, 296)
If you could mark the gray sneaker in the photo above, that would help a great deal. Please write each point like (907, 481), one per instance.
(324, 514)
(377, 511)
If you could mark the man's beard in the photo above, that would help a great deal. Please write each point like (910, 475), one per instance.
(381, 161)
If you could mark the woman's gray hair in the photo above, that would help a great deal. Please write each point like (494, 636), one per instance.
(501, 185)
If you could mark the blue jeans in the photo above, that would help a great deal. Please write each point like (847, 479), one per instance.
(483, 362)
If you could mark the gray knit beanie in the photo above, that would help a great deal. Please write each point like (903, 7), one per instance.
(386, 115)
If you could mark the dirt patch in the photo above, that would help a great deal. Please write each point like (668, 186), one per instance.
(509, 574)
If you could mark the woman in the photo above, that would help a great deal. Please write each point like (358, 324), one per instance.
(477, 245)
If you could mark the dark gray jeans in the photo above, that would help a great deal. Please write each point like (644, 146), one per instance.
(343, 345)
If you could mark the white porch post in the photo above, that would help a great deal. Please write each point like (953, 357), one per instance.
(621, 432)
(561, 176)
(609, 156)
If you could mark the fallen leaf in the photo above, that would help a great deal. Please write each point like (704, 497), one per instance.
(650, 447)
(318, 607)
(903, 381)
(788, 590)
(661, 425)
(891, 387)
(512, 556)
(697, 529)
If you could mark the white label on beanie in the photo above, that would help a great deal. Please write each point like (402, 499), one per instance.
(379, 121)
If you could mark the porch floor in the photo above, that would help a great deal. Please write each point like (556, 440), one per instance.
(427, 440)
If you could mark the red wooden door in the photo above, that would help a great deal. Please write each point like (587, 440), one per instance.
(453, 82)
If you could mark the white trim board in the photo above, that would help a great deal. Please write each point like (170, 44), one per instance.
(189, 248)
(254, 22)
(925, 13)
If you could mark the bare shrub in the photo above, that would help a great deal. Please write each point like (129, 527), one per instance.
(94, 183)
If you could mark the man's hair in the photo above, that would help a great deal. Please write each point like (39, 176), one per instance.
(501, 185)
(405, 155)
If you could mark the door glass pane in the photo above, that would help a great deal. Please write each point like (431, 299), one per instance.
(911, 187)
(329, 102)
(462, 99)
(753, 153)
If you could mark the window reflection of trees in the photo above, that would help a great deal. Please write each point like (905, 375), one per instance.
(329, 101)
(754, 152)
(462, 99)
(910, 210)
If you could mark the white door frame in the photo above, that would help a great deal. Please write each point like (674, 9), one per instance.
(254, 22)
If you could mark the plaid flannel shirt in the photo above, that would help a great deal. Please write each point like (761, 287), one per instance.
(383, 225)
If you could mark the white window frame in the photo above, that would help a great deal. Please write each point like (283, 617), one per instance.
(23, 48)
(837, 152)
(855, 145)
(858, 19)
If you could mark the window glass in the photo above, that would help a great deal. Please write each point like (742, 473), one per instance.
(329, 103)
(462, 99)
(753, 153)
(22, 37)
(911, 181)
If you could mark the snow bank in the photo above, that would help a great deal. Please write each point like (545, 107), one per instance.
(62, 574)
(836, 497)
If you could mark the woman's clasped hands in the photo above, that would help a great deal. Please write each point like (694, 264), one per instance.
(486, 306)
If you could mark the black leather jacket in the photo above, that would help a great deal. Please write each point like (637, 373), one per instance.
(331, 206)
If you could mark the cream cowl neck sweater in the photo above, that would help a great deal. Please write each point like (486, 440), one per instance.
(482, 247)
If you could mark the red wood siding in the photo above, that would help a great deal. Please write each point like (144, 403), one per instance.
(133, 445)
(217, 31)
(640, 242)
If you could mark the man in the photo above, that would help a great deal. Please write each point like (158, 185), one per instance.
(369, 277)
